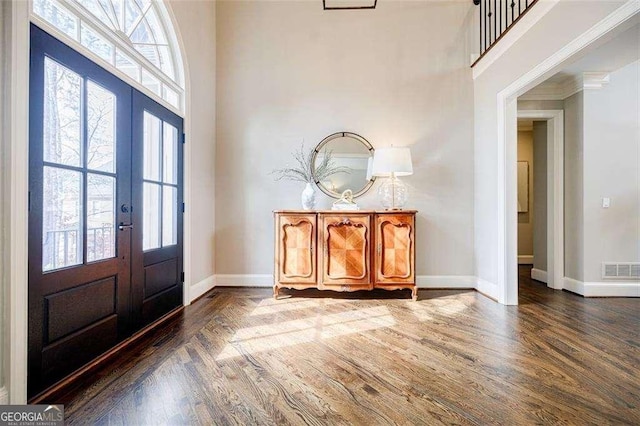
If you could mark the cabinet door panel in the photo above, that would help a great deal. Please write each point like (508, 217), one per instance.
(296, 241)
(346, 250)
(395, 249)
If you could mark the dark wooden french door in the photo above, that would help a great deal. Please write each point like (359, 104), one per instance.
(105, 211)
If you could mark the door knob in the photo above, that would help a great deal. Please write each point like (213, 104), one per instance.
(124, 226)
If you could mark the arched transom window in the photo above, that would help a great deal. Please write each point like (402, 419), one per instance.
(134, 37)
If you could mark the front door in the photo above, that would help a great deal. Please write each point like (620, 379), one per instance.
(90, 213)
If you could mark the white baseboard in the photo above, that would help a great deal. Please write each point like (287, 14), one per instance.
(603, 289)
(487, 288)
(4, 396)
(539, 275)
(612, 289)
(525, 259)
(244, 280)
(574, 286)
(200, 288)
(446, 281)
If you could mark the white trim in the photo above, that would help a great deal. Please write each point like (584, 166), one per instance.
(567, 87)
(539, 275)
(525, 259)
(554, 91)
(4, 396)
(574, 286)
(446, 281)
(17, 132)
(595, 80)
(515, 33)
(487, 288)
(603, 289)
(201, 287)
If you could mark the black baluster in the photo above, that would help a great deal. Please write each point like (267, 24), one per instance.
(480, 20)
(495, 21)
(513, 5)
(489, 15)
(484, 17)
(499, 10)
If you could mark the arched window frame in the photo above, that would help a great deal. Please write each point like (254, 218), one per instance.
(168, 91)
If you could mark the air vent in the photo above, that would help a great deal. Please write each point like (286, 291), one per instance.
(621, 271)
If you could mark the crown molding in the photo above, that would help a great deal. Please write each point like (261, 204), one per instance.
(569, 86)
(595, 80)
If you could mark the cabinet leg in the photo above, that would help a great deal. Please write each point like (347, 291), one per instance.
(275, 291)
(414, 294)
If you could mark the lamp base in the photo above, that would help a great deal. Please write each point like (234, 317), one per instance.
(393, 194)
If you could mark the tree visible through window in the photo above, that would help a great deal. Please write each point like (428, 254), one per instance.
(132, 36)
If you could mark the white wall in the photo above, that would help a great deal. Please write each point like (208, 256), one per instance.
(611, 163)
(565, 21)
(196, 24)
(574, 243)
(289, 71)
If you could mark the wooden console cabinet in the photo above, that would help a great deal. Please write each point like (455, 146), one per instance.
(345, 251)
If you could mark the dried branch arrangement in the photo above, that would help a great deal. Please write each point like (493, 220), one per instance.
(303, 171)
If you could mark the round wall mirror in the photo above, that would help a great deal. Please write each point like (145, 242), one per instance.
(351, 156)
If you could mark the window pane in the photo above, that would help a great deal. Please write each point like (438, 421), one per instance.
(142, 33)
(62, 106)
(170, 96)
(95, 8)
(170, 154)
(96, 43)
(58, 16)
(150, 82)
(166, 64)
(169, 215)
(101, 128)
(61, 218)
(101, 217)
(151, 156)
(156, 27)
(151, 216)
(127, 66)
(131, 15)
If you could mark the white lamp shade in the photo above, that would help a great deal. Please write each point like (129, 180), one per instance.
(393, 159)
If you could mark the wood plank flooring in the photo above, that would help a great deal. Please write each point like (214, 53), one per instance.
(237, 356)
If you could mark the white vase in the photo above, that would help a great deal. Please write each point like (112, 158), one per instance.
(308, 197)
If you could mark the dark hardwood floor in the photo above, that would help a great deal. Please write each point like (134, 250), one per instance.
(237, 356)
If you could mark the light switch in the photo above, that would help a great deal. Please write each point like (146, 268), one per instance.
(606, 202)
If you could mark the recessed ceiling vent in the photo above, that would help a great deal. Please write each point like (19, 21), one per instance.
(621, 271)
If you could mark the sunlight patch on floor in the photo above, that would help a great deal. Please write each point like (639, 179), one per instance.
(270, 306)
(448, 306)
(288, 333)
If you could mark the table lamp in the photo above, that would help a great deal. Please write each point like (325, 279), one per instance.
(392, 162)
